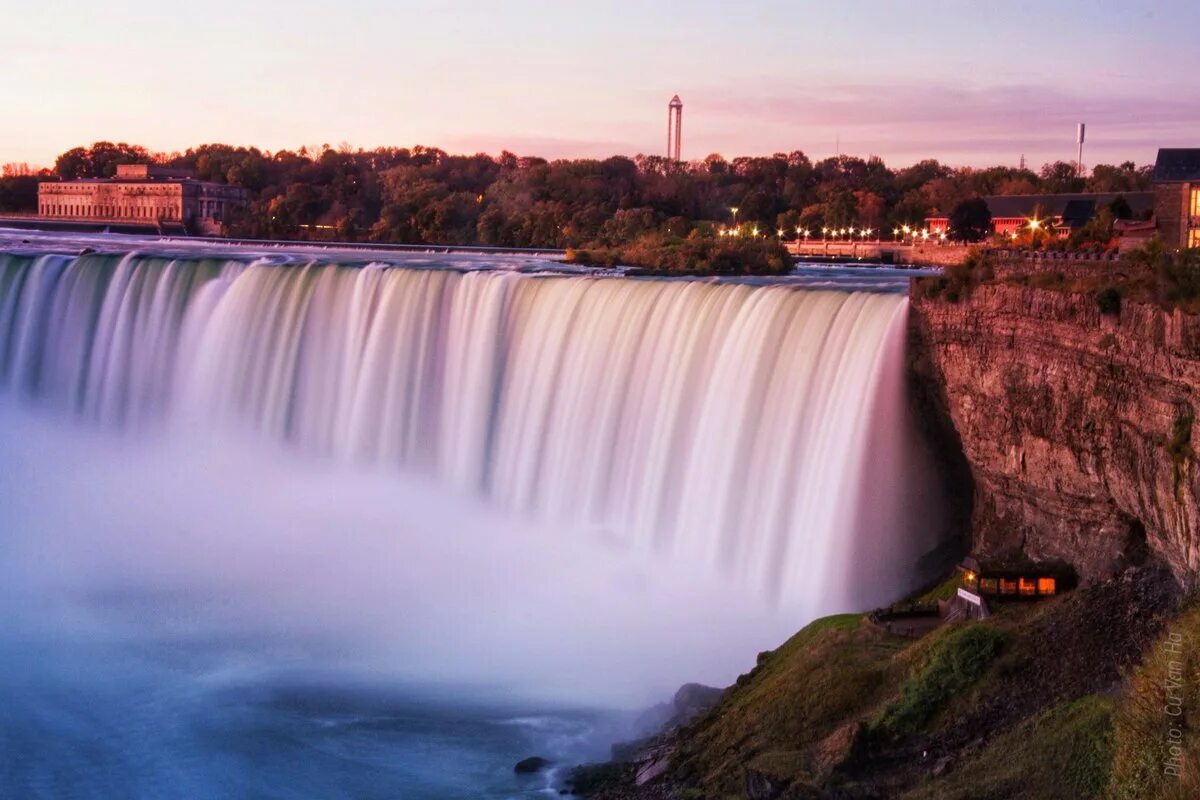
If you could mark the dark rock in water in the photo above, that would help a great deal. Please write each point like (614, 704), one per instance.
(85, 250)
(528, 766)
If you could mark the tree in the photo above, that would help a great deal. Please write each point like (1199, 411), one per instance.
(971, 221)
(19, 193)
(1061, 177)
(1119, 208)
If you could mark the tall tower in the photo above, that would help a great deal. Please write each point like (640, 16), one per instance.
(674, 127)
(1079, 138)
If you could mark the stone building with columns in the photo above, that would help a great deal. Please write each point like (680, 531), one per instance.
(143, 195)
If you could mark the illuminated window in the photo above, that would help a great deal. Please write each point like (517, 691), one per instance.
(1194, 205)
(1194, 237)
(1027, 587)
(987, 585)
(1008, 587)
(1046, 586)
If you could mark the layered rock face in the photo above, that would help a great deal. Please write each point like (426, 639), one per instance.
(1076, 425)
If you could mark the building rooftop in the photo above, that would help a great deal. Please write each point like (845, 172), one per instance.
(140, 173)
(1065, 205)
(1177, 164)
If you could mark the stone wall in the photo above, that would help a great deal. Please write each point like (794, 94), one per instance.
(1076, 426)
(1170, 212)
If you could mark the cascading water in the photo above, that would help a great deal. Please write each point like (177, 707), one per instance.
(285, 523)
(725, 422)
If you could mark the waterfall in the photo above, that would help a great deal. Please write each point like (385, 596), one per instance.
(760, 428)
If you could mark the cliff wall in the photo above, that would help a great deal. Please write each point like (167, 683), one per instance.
(1077, 426)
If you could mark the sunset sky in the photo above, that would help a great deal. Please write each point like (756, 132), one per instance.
(964, 82)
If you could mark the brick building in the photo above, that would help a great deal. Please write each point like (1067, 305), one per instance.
(1177, 196)
(143, 194)
(1059, 212)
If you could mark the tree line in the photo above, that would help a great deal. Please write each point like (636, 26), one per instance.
(425, 195)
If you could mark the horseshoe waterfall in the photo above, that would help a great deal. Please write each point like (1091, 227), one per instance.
(752, 427)
(476, 503)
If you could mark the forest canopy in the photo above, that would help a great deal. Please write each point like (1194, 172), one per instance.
(425, 195)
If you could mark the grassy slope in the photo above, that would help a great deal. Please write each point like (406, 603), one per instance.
(1064, 752)
(1034, 702)
(794, 715)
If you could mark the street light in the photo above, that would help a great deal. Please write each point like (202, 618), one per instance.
(734, 209)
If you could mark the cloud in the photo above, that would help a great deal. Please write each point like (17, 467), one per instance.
(925, 104)
(948, 121)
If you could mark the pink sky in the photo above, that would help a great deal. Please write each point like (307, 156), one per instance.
(962, 82)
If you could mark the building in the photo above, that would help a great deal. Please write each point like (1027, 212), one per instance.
(1061, 212)
(143, 195)
(1017, 579)
(1177, 196)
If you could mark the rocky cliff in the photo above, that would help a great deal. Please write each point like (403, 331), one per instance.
(1076, 424)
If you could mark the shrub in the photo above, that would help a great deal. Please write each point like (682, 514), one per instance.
(1108, 300)
(957, 280)
(695, 254)
(952, 665)
(1051, 279)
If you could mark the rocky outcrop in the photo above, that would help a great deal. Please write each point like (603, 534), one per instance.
(1077, 425)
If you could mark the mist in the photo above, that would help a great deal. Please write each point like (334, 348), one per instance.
(269, 560)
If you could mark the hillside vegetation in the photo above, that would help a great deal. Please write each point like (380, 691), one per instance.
(426, 195)
(695, 254)
(1152, 274)
(1056, 700)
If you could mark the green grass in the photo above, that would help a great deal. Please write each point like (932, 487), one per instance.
(1143, 728)
(943, 591)
(793, 715)
(952, 664)
(1065, 752)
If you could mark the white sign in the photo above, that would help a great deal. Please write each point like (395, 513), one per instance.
(970, 597)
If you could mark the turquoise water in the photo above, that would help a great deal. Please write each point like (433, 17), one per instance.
(74, 726)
